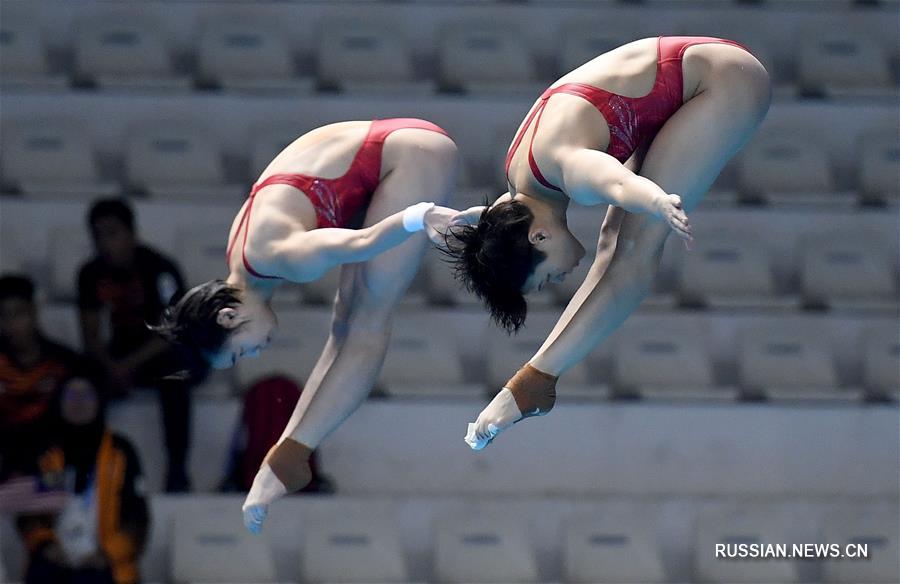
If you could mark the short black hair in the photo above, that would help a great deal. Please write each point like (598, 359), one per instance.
(16, 286)
(191, 321)
(116, 208)
(494, 258)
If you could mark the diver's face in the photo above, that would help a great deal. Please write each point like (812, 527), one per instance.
(563, 252)
(252, 326)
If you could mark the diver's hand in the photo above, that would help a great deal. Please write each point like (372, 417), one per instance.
(437, 221)
(469, 216)
(669, 208)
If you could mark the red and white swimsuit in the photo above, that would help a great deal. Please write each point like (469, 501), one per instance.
(336, 200)
(632, 121)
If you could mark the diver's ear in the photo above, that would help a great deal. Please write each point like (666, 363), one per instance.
(538, 235)
(227, 318)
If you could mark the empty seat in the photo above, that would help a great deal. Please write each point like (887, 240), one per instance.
(837, 61)
(582, 41)
(352, 550)
(483, 549)
(60, 322)
(24, 60)
(786, 168)
(212, 546)
(871, 528)
(248, 55)
(268, 140)
(177, 160)
(53, 157)
(727, 269)
(727, 530)
(365, 57)
(881, 358)
(70, 247)
(125, 49)
(484, 58)
(847, 270)
(294, 349)
(602, 549)
(879, 165)
(790, 360)
(201, 252)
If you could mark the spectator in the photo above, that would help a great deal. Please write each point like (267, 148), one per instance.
(132, 284)
(268, 406)
(99, 535)
(31, 367)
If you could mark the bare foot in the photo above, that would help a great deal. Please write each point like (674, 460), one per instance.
(499, 415)
(266, 489)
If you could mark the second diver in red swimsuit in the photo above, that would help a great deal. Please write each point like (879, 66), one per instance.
(644, 128)
(346, 194)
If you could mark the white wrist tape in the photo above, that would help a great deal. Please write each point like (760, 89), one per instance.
(414, 216)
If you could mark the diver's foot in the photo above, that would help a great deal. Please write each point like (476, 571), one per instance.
(499, 415)
(266, 489)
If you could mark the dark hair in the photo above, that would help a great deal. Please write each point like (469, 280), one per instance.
(191, 321)
(116, 208)
(494, 258)
(16, 286)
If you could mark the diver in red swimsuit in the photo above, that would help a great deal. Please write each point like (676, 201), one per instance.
(346, 194)
(644, 128)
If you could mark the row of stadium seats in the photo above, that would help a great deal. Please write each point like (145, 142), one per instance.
(180, 160)
(127, 52)
(614, 543)
(786, 359)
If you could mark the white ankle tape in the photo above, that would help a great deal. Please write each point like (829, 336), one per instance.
(414, 216)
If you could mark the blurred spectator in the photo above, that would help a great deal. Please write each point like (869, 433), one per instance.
(31, 368)
(131, 284)
(268, 406)
(100, 533)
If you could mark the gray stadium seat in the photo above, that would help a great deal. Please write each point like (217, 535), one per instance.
(840, 62)
(879, 165)
(486, 59)
(789, 360)
(69, 248)
(178, 161)
(202, 249)
(787, 168)
(483, 549)
(353, 550)
(582, 41)
(211, 545)
(52, 157)
(267, 141)
(24, 62)
(873, 525)
(60, 322)
(249, 56)
(600, 550)
(748, 525)
(881, 358)
(847, 270)
(125, 50)
(361, 56)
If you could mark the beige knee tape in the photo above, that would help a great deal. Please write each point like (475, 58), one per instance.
(533, 390)
(289, 460)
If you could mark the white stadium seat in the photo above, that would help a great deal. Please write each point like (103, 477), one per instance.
(600, 550)
(179, 161)
(881, 358)
(70, 247)
(125, 50)
(250, 56)
(786, 168)
(351, 550)
(873, 525)
(788, 360)
(734, 527)
(213, 546)
(727, 269)
(483, 549)
(24, 62)
(879, 165)
(52, 157)
(482, 58)
(294, 349)
(840, 62)
(361, 56)
(847, 270)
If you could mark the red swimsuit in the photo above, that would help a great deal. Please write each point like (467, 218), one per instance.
(336, 200)
(632, 121)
